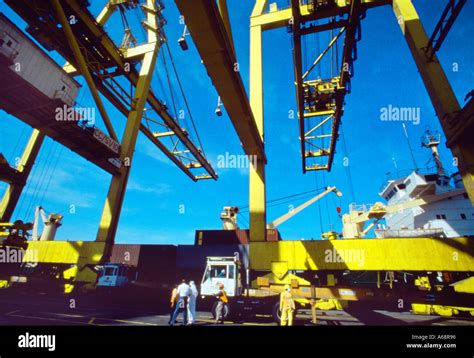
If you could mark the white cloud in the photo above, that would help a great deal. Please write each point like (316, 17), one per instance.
(157, 189)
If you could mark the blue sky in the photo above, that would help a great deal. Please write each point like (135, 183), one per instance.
(385, 74)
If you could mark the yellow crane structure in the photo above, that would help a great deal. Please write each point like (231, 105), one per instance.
(108, 68)
(122, 75)
(320, 107)
(90, 52)
(323, 98)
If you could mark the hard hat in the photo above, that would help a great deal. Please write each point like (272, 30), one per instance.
(287, 287)
(221, 285)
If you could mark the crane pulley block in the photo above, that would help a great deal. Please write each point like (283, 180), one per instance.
(320, 95)
(318, 5)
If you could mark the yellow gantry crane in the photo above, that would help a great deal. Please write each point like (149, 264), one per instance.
(320, 101)
(320, 104)
(90, 52)
(118, 73)
(108, 69)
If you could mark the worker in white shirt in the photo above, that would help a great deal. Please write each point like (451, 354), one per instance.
(192, 303)
(181, 306)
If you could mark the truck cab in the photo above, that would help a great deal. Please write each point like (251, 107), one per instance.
(242, 302)
(221, 270)
(116, 275)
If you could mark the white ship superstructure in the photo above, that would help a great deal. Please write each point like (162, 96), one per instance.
(446, 210)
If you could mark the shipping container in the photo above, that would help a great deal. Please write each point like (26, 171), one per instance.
(38, 91)
(33, 65)
(194, 257)
(230, 237)
(126, 254)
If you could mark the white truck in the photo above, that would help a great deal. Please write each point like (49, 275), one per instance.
(243, 301)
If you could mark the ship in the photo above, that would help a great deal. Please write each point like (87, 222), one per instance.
(444, 209)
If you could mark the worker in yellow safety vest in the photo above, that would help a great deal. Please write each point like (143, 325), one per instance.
(222, 302)
(173, 300)
(287, 307)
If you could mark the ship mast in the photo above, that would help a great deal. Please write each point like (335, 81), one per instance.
(432, 140)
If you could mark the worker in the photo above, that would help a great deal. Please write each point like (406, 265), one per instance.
(287, 306)
(173, 300)
(221, 274)
(222, 302)
(192, 303)
(182, 305)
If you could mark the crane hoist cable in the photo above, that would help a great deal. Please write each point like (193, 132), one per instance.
(347, 170)
(42, 176)
(39, 170)
(174, 96)
(169, 85)
(139, 14)
(293, 201)
(319, 206)
(336, 45)
(276, 202)
(318, 50)
(124, 19)
(22, 201)
(326, 201)
(243, 220)
(287, 197)
(184, 96)
(13, 152)
(331, 34)
(52, 173)
(44, 179)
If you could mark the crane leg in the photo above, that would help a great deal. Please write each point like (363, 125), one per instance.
(111, 212)
(439, 89)
(27, 160)
(257, 190)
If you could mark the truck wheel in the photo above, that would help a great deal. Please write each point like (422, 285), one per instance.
(226, 311)
(276, 313)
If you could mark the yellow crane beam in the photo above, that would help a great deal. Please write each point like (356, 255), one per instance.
(210, 33)
(440, 91)
(275, 19)
(404, 254)
(122, 61)
(214, 45)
